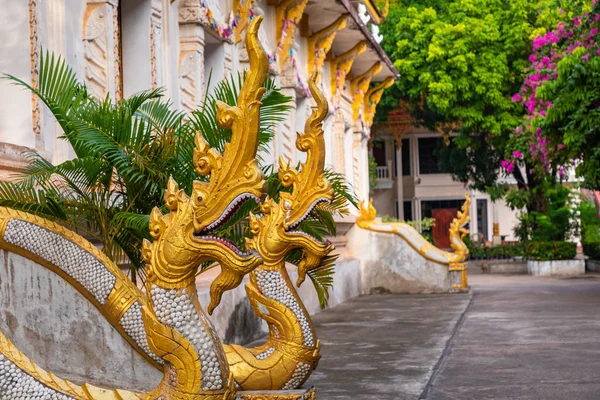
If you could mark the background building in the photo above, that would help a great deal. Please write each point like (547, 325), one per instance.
(120, 47)
(411, 186)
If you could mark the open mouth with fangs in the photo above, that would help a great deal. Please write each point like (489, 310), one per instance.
(324, 242)
(234, 206)
(312, 206)
(297, 223)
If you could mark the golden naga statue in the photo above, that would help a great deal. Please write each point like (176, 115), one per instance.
(455, 260)
(291, 352)
(167, 323)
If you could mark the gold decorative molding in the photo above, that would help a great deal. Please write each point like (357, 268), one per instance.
(34, 64)
(372, 98)
(118, 60)
(377, 14)
(288, 15)
(242, 9)
(496, 229)
(398, 123)
(155, 43)
(360, 85)
(310, 395)
(319, 43)
(341, 66)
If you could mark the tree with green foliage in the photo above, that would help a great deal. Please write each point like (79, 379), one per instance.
(561, 94)
(460, 62)
(125, 152)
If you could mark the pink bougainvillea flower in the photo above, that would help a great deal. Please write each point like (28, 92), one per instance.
(509, 166)
(516, 98)
(517, 154)
(562, 172)
(560, 146)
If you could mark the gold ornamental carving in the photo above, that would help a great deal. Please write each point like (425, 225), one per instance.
(288, 14)
(341, 66)
(359, 87)
(182, 241)
(372, 99)
(292, 350)
(242, 10)
(320, 42)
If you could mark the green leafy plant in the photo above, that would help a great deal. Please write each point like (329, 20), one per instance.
(548, 251)
(373, 183)
(125, 152)
(554, 222)
(590, 230)
(504, 251)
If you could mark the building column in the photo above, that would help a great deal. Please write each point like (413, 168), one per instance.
(399, 181)
(191, 55)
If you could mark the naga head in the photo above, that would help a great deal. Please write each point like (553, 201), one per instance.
(274, 234)
(184, 238)
(367, 214)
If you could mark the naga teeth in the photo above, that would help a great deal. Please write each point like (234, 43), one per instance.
(314, 204)
(229, 210)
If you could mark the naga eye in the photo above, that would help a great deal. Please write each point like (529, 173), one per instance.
(199, 198)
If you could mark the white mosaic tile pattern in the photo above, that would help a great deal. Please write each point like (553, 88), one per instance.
(176, 309)
(15, 384)
(66, 255)
(265, 354)
(133, 324)
(300, 374)
(273, 285)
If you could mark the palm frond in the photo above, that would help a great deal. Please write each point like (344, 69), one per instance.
(59, 90)
(274, 110)
(322, 278)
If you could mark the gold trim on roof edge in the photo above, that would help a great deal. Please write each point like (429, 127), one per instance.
(320, 42)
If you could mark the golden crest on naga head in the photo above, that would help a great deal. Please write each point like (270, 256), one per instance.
(310, 185)
(188, 235)
(235, 176)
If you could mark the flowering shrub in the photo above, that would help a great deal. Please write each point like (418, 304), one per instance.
(561, 95)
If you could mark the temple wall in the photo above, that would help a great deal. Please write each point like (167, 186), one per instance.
(118, 48)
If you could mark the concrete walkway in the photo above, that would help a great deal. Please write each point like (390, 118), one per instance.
(513, 337)
(525, 338)
(383, 347)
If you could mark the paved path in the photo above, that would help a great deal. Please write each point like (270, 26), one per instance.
(525, 338)
(519, 338)
(383, 347)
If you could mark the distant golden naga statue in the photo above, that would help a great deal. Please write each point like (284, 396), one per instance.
(183, 343)
(456, 260)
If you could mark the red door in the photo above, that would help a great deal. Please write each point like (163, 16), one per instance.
(441, 231)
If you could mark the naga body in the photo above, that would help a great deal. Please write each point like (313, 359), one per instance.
(166, 324)
(291, 352)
